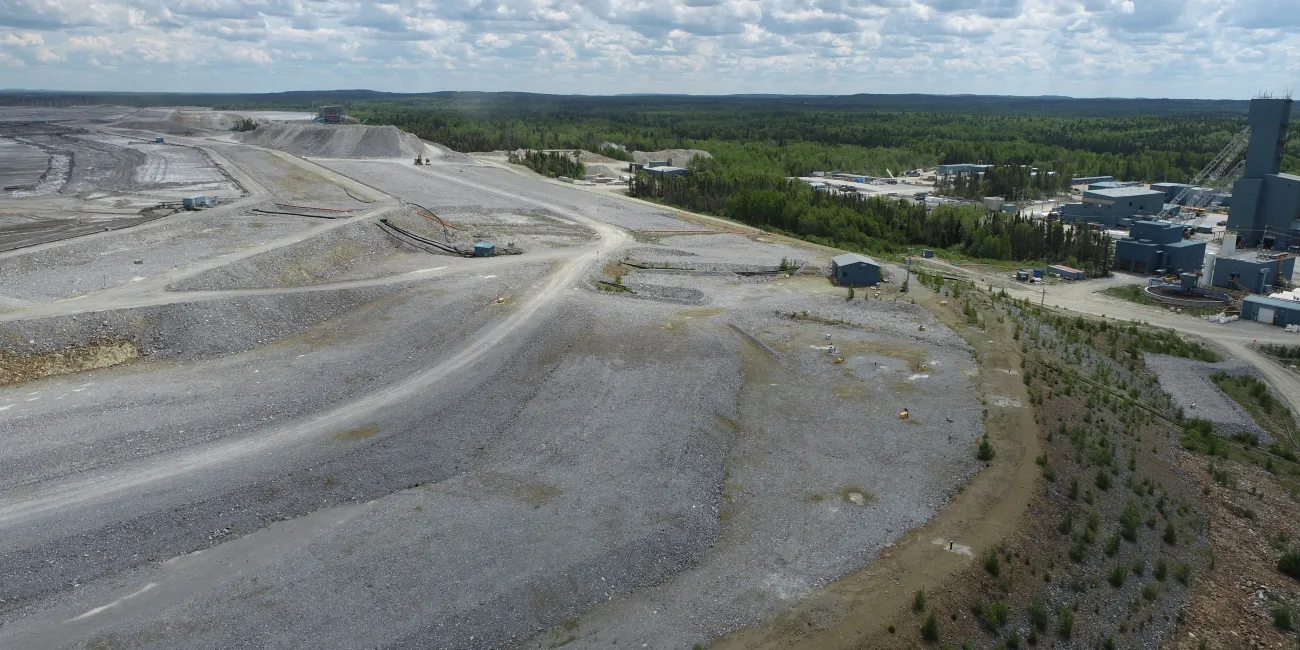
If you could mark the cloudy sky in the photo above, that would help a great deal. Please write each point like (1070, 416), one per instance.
(1084, 48)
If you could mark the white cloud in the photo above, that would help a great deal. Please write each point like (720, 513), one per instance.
(1217, 48)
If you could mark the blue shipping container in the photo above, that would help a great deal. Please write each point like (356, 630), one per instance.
(484, 249)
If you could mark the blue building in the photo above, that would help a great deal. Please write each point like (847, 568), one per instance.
(1158, 247)
(485, 249)
(1065, 272)
(853, 270)
(1194, 194)
(1266, 203)
(1107, 206)
(962, 168)
(1275, 311)
(1251, 271)
(665, 170)
(1085, 180)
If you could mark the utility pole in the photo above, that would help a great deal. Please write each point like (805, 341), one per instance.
(907, 281)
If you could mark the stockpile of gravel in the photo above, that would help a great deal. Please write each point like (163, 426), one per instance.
(347, 252)
(336, 141)
(674, 157)
(1188, 382)
(92, 264)
(189, 331)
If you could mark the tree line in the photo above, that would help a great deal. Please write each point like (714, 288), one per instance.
(550, 163)
(880, 224)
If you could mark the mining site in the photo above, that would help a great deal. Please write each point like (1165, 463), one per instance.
(286, 389)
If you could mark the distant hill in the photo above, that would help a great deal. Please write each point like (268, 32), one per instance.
(541, 103)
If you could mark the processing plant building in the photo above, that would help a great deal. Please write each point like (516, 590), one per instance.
(330, 115)
(1158, 247)
(1266, 203)
(1108, 206)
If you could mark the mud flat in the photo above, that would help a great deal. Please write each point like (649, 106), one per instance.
(21, 165)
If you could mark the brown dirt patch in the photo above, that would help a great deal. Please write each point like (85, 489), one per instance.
(357, 434)
(1252, 517)
(18, 368)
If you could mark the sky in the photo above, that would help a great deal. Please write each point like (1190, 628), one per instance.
(1229, 49)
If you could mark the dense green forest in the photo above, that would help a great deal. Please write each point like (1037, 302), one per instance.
(550, 163)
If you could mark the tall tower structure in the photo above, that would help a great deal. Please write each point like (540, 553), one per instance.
(1268, 120)
(1265, 202)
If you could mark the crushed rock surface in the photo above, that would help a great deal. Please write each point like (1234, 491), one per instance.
(1188, 382)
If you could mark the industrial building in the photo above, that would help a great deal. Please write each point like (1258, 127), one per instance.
(198, 202)
(1108, 206)
(330, 115)
(1088, 180)
(1065, 272)
(962, 168)
(853, 270)
(1273, 310)
(1194, 194)
(1251, 271)
(664, 170)
(1158, 247)
(1265, 202)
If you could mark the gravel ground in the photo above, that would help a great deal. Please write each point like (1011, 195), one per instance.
(83, 266)
(57, 427)
(288, 182)
(609, 495)
(356, 251)
(176, 122)
(1188, 382)
(675, 157)
(641, 491)
(652, 473)
(73, 113)
(336, 141)
(821, 476)
(412, 183)
(457, 191)
(110, 164)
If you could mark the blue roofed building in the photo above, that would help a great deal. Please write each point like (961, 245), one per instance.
(1158, 247)
(853, 270)
(1108, 205)
(1271, 310)
(1252, 271)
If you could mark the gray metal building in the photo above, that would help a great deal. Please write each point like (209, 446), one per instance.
(1158, 247)
(1108, 206)
(962, 168)
(1266, 203)
(1251, 271)
(853, 270)
(664, 170)
(1274, 311)
(1085, 180)
(330, 114)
